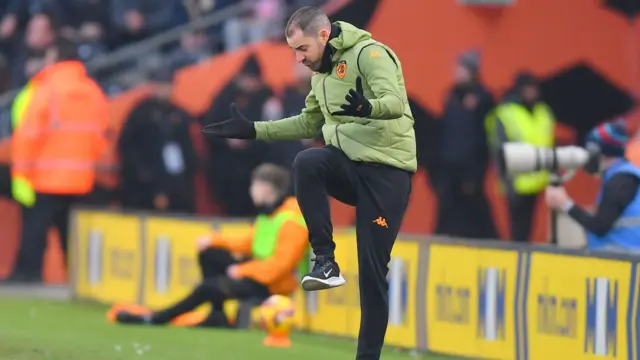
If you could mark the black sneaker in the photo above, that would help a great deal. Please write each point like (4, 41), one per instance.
(125, 317)
(325, 275)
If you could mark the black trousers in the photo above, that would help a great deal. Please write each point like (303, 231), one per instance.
(463, 208)
(381, 195)
(5, 181)
(216, 287)
(521, 212)
(48, 210)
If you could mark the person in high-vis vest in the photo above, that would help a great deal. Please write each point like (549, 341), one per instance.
(267, 261)
(615, 225)
(54, 150)
(522, 117)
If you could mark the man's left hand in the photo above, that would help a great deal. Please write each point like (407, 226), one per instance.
(556, 197)
(357, 105)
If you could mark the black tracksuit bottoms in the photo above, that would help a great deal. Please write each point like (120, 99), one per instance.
(380, 194)
(216, 287)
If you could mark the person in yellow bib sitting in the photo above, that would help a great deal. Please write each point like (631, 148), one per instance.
(274, 255)
(522, 117)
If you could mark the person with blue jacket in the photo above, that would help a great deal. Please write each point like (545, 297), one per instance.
(615, 225)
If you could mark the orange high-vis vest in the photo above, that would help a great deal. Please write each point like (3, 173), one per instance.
(63, 132)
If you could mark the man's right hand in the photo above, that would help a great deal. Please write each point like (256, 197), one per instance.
(238, 127)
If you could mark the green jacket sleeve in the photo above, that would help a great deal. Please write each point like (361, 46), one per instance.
(303, 126)
(379, 71)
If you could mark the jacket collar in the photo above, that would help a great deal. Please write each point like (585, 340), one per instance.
(69, 68)
(327, 57)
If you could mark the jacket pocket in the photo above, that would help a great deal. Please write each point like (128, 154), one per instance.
(367, 132)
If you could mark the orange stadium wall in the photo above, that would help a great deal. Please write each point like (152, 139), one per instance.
(543, 36)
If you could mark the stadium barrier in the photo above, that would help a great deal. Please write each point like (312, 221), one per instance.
(476, 299)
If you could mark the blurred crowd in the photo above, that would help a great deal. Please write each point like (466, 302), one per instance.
(459, 182)
(28, 27)
(159, 160)
(61, 127)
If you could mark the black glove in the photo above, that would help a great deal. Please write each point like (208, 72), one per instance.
(357, 105)
(238, 127)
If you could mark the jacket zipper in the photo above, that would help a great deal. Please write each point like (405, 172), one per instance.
(326, 105)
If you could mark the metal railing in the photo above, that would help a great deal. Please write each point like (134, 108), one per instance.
(134, 51)
(145, 46)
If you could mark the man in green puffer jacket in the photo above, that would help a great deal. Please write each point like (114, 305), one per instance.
(368, 161)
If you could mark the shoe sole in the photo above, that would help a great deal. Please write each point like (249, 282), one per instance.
(314, 284)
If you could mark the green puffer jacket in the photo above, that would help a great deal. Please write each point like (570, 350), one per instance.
(386, 136)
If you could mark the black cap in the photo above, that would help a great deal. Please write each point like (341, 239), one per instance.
(525, 78)
(470, 60)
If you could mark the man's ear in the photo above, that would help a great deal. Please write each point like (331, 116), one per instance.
(324, 35)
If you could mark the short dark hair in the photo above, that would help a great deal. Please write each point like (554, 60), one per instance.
(309, 19)
(49, 14)
(277, 176)
(67, 49)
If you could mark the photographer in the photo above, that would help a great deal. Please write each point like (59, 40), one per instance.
(615, 225)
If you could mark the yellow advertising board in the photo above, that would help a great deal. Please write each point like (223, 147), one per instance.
(577, 308)
(107, 256)
(349, 297)
(328, 310)
(300, 316)
(403, 273)
(477, 302)
(171, 269)
(233, 229)
(470, 299)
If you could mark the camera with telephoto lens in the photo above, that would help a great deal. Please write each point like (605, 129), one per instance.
(562, 162)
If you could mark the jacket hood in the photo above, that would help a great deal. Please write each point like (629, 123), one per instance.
(63, 70)
(349, 36)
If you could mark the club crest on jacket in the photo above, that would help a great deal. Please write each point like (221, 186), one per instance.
(341, 69)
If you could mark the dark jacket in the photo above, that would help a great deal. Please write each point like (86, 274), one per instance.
(462, 134)
(157, 156)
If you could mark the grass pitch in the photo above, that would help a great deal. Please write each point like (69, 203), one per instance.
(58, 330)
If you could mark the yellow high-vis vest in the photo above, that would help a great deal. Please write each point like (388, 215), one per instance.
(20, 104)
(21, 189)
(521, 125)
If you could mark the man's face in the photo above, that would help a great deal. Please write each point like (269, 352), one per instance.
(39, 34)
(261, 192)
(309, 49)
(462, 75)
(530, 93)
